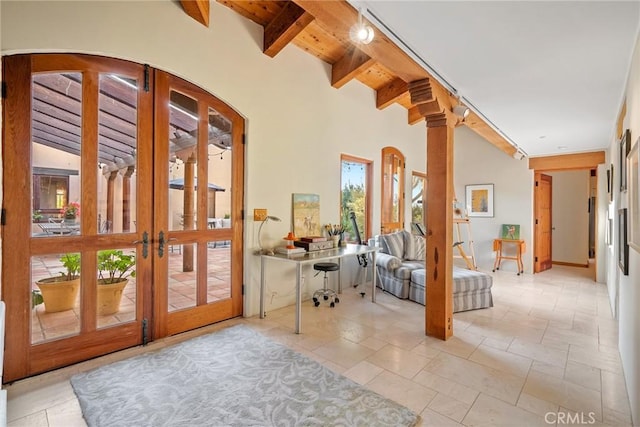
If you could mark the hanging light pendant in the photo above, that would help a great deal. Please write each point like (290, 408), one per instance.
(361, 32)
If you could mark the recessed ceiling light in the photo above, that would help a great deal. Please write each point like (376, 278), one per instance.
(542, 136)
(562, 147)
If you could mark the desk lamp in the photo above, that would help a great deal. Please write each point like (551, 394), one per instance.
(269, 217)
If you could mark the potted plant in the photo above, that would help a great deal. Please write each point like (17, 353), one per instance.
(70, 212)
(59, 293)
(114, 268)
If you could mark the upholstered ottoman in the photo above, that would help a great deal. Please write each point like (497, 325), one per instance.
(471, 289)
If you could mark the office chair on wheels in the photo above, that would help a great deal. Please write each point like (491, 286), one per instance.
(326, 293)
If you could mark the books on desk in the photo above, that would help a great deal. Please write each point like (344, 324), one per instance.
(283, 250)
(313, 239)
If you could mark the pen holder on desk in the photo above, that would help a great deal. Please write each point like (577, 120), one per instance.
(336, 240)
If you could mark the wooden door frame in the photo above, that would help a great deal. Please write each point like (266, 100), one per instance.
(567, 162)
(401, 194)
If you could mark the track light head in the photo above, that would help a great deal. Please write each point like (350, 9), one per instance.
(461, 111)
(361, 32)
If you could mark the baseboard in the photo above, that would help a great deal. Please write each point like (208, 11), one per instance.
(570, 264)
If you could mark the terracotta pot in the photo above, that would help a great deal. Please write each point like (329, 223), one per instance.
(109, 296)
(58, 294)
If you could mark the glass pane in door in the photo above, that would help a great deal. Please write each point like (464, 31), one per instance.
(56, 129)
(218, 271)
(55, 296)
(183, 161)
(117, 146)
(183, 261)
(116, 286)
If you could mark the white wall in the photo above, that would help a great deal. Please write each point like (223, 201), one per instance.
(297, 124)
(629, 286)
(477, 162)
(570, 216)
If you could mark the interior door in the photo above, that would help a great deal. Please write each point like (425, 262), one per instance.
(392, 194)
(74, 135)
(543, 225)
(198, 207)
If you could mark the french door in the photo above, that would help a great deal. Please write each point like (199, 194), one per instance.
(124, 144)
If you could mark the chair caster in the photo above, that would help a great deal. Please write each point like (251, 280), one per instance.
(326, 297)
(362, 294)
(316, 303)
(332, 305)
(337, 300)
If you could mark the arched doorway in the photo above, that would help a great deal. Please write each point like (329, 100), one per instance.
(120, 145)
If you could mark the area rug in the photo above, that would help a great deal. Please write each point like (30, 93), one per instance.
(233, 377)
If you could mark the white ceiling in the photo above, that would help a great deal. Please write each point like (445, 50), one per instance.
(549, 74)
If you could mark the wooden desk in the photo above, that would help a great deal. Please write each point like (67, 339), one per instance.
(520, 249)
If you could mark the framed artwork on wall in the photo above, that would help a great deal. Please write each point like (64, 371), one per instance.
(633, 179)
(623, 244)
(625, 145)
(479, 200)
(306, 215)
(611, 181)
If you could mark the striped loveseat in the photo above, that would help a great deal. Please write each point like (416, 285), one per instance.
(401, 272)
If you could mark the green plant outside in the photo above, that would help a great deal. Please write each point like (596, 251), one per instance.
(114, 266)
(72, 263)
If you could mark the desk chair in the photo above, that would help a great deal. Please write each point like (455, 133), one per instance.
(325, 292)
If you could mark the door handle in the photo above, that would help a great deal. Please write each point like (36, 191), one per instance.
(145, 244)
(161, 242)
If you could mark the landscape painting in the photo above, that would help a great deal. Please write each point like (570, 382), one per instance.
(306, 215)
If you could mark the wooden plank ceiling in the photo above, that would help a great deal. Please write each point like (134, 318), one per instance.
(321, 28)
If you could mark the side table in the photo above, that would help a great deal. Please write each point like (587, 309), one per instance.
(520, 249)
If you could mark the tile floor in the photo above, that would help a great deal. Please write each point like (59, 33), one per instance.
(546, 354)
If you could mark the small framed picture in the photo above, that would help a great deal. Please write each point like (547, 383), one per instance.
(625, 146)
(510, 232)
(623, 244)
(479, 200)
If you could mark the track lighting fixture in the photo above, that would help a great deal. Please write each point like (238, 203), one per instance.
(461, 111)
(361, 32)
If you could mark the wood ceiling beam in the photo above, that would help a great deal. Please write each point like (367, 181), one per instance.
(287, 24)
(390, 93)
(589, 160)
(197, 9)
(354, 62)
(479, 126)
(414, 116)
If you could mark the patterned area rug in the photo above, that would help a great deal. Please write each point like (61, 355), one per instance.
(234, 377)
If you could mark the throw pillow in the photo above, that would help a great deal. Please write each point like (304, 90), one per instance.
(393, 243)
(415, 248)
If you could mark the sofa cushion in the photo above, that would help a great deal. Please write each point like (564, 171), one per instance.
(407, 268)
(393, 243)
(463, 280)
(388, 262)
(414, 247)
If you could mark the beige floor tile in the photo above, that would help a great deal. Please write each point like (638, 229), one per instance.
(564, 393)
(363, 372)
(541, 352)
(501, 360)
(344, 352)
(461, 344)
(571, 337)
(605, 361)
(482, 378)
(66, 415)
(499, 343)
(449, 407)
(38, 419)
(537, 406)
(584, 375)
(545, 368)
(398, 361)
(430, 418)
(614, 393)
(400, 337)
(491, 412)
(615, 418)
(446, 386)
(402, 390)
(373, 343)
(38, 399)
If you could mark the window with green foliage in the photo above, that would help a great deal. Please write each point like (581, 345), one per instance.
(355, 196)
(418, 196)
